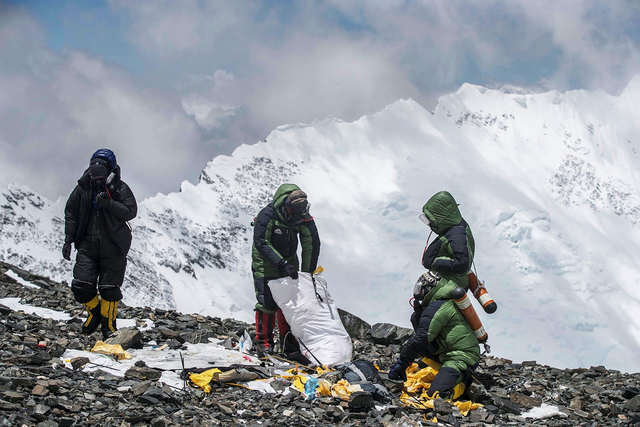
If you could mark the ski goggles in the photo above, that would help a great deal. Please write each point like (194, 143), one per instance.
(299, 212)
(302, 212)
(297, 216)
(422, 217)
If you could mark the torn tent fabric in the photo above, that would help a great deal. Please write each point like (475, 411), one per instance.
(342, 389)
(114, 350)
(324, 388)
(415, 393)
(201, 378)
(313, 316)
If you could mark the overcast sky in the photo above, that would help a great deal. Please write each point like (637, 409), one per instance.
(168, 85)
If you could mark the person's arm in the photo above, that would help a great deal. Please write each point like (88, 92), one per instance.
(427, 330)
(459, 264)
(419, 343)
(71, 215)
(431, 252)
(310, 242)
(124, 207)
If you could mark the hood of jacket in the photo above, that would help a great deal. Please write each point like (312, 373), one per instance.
(282, 193)
(442, 212)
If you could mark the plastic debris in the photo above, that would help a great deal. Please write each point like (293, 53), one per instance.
(310, 388)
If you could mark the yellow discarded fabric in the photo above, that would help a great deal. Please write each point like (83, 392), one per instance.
(322, 370)
(203, 379)
(324, 388)
(415, 393)
(293, 372)
(114, 350)
(465, 407)
(297, 379)
(418, 402)
(343, 389)
(299, 382)
(418, 380)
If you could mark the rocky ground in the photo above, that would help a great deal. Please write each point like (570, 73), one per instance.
(38, 389)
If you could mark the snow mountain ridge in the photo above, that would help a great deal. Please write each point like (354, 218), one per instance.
(548, 183)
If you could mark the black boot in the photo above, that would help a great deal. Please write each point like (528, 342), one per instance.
(108, 309)
(93, 316)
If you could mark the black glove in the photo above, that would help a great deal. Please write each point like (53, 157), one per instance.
(66, 250)
(398, 372)
(291, 271)
(103, 200)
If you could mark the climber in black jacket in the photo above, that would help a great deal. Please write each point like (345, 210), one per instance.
(96, 216)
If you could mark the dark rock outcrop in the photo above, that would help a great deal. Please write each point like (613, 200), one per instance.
(355, 326)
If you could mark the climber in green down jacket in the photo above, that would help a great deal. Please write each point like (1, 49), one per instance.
(441, 332)
(274, 255)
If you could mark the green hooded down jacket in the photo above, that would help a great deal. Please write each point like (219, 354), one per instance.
(451, 254)
(275, 240)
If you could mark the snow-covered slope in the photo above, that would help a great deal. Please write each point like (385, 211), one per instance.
(548, 183)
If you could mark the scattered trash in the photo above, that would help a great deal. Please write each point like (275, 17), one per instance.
(310, 388)
(114, 350)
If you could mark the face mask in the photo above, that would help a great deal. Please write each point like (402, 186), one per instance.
(294, 217)
(291, 216)
(99, 173)
(302, 214)
(422, 217)
(99, 184)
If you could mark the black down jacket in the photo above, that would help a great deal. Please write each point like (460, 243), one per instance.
(122, 208)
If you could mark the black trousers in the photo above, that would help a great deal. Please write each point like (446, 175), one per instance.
(100, 266)
(263, 294)
(447, 378)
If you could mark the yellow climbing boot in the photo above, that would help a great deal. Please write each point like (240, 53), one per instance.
(108, 310)
(93, 316)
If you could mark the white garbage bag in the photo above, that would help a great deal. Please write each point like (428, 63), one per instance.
(313, 318)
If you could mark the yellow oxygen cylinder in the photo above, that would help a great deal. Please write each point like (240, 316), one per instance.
(464, 304)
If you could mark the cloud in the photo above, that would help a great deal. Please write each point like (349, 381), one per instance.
(430, 47)
(219, 74)
(56, 109)
(209, 99)
(599, 41)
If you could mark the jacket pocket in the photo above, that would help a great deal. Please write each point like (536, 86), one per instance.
(280, 237)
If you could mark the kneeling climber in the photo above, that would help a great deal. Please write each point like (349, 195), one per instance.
(442, 333)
